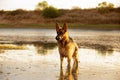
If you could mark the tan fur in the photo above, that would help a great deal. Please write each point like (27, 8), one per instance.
(67, 47)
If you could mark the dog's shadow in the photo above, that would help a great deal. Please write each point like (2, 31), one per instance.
(69, 73)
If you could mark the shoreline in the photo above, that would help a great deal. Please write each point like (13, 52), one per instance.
(95, 39)
(71, 26)
(83, 42)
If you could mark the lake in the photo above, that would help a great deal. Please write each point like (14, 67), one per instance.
(32, 54)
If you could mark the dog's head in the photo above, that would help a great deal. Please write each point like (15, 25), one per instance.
(62, 33)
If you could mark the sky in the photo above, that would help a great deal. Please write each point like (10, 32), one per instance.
(61, 4)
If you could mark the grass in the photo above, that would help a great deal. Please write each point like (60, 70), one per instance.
(96, 26)
(70, 25)
(5, 25)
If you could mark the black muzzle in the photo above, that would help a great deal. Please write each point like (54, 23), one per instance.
(58, 38)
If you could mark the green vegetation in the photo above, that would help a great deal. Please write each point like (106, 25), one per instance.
(41, 5)
(47, 11)
(71, 25)
(51, 12)
(105, 7)
(15, 12)
(5, 25)
(96, 26)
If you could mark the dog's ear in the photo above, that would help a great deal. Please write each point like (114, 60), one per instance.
(57, 27)
(65, 27)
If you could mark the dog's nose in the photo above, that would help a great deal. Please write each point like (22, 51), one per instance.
(57, 38)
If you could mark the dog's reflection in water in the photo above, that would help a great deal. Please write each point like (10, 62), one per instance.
(70, 73)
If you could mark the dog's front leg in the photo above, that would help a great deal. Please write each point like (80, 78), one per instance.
(69, 62)
(61, 74)
(69, 65)
(61, 62)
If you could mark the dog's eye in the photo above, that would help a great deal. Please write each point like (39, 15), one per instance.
(59, 33)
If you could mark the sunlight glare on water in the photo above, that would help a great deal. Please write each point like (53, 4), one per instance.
(92, 57)
(30, 62)
(87, 56)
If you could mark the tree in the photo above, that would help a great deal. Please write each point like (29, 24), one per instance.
(48, 11)
(75, 8)
(102, 5)
(42, 5)
(105, 7)
(111, 5)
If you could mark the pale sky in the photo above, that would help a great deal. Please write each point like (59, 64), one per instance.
(66, 4)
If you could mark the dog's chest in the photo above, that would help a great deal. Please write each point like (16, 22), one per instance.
(62, 51)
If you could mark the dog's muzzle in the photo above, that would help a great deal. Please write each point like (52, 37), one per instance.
(58, 38)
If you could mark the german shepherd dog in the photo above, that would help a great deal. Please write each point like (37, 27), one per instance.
(67, 47)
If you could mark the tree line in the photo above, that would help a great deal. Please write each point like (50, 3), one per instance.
(52, 12)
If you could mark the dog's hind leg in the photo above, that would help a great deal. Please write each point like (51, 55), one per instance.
(75, 65)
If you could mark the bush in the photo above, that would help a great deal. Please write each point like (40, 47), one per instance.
(104, 10)
(2, 12)
(16, 12)
(118, 9)
(51, 12)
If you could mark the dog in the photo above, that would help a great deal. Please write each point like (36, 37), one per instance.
(66, 46)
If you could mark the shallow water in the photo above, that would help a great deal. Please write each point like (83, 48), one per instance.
(99, 55)
(52, 32)
(31, 64)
